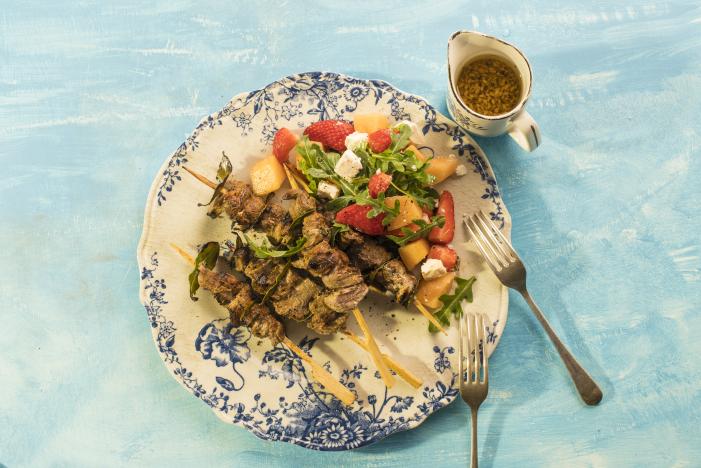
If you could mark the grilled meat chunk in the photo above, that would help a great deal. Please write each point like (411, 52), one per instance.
(301, 203)
(345, 299)
(373, 259)
(236, 296)
(323, 319)
(275, 221)
(239, 203)
(293, 295)
(315, 229)
(394, 277)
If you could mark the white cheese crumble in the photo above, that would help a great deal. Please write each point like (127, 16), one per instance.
(433, 268)
(327, 190)
(356, 140)
(349, 165)
(461, 170)
(416, 136)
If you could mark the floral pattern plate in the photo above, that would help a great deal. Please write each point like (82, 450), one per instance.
(269, 391)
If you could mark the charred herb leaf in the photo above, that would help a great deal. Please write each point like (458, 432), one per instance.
(208, 254)
(451, 302)
(223, 173)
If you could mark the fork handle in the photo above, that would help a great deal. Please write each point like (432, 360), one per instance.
(587, 388)
(473, 447)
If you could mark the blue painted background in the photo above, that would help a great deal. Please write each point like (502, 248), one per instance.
(93, 96)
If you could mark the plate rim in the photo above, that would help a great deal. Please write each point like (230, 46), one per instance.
(143, 257)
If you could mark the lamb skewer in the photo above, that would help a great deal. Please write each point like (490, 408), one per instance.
(329, 264)
(236, 296)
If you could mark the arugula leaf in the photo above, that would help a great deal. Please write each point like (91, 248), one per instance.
(299, 219)
(424, 228)
(340, 202)
(451, 302)
(336, 229)
(223, 173)
(400, 138)
(208, 254)
(263, 251)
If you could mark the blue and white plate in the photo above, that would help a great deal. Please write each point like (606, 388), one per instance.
(269, 391)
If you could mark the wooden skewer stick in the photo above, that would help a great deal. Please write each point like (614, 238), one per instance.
(373, 349)
(290, 179)
(201, 178)
(318, 372)
(431, 318)
(410, 378)
(298, 177)
(322, 375)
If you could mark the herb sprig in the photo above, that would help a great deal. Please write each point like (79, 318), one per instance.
(223, 173)
(208, 254)
(424, 228)
(451, 302)
(266, 251)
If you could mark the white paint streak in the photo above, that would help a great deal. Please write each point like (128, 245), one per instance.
(97, 118)
(383, 28)
(593, 80)
(169, 49)
(687, 262)
(206, 22)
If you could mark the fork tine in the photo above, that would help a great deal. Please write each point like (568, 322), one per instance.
(481, 230)
(502, 238)
(489, 227)
(461, 351)
(476, 347)
(492, 264)
(480, 327)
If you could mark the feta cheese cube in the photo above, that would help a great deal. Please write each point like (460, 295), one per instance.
(416, 136)
(356, 140)
(461, 170)
(433, 268)
(327, 190)
(348, 165)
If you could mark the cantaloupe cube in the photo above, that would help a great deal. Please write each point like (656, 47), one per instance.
(409, 210)
(441, 168)
(414, 252)
(419, 155)
(429, 291)
(267, 175)
(368, 123)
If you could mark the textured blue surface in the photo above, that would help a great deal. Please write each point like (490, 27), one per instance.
(94, 96)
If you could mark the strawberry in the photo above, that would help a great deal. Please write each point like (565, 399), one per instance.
(356, 216)
(283, 143)
(446, 207)
(379, 183)
(330, 133)
(379, 140)
(445, 254)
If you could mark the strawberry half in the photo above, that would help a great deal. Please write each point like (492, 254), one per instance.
(446, 207)
(283, 143)
(379, 140)
(445, 254)
(356, 216)
(331, 133)
(379, 183)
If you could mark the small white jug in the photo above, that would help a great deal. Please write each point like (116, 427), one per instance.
(464, 46)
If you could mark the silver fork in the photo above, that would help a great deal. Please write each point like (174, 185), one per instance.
(508, 267)
(473, 383)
